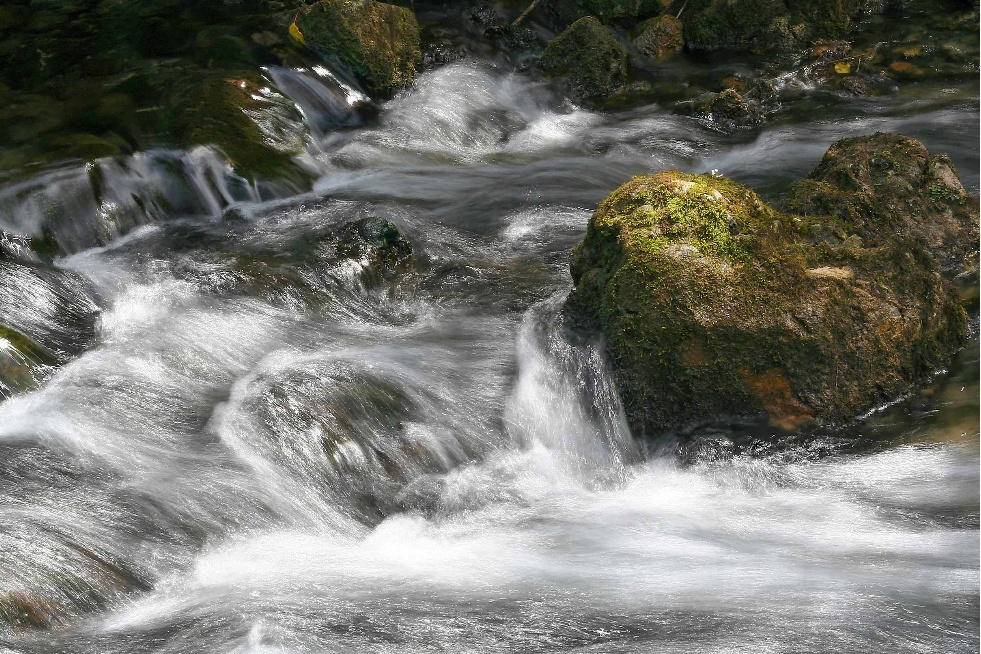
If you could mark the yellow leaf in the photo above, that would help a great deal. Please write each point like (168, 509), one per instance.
(843, 68)
(296, 33)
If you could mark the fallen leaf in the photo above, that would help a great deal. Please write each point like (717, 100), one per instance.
(843, 68)
(295, 31)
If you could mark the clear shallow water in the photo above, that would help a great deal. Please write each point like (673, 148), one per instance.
(262, 454)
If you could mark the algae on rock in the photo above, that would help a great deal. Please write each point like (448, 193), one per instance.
(713, 304)
(766, 23)
(659, 38)
(565, 12)
(237, 113)
(590, 59)
(379, 41)
(886, 186)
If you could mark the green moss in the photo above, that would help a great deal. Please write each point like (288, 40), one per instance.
(882, 186)
(660, 37)
(766, 23)
(589, 57)
(22, 362)
(941, 193)
(214, 112)
(713, 304)
(828, 19)
(379, 41)
(608, 11)
(721, 23)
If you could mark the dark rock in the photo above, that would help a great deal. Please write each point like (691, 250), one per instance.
(704, 321)
(729, 110)
(589, 58)
(377, 242)
(379, 41)
(770, 24)
(659, 38)
(561, 13)
(887, 186)
(229, 111)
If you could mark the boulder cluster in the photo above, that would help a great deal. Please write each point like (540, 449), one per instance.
(715, 305)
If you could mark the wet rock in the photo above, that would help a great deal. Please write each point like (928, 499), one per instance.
(316, 268)
(377, 243)
(379, 41)
(632, 95)
(720, 24)
(506, 35)
(887, 186)
(561, 13)
(589, 58)
(256, 128)
(659, 38)
(728, 109)
(715, 305)
(769, 24)
(47, 316)
(439, 49)
(23, 364)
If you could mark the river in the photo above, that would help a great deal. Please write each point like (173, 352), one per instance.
(262, 453)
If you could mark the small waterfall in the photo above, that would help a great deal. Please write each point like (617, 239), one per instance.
(92, 205)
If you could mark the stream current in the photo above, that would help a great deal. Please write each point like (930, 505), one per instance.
(294, 461)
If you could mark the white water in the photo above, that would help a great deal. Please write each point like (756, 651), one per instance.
(261, 454)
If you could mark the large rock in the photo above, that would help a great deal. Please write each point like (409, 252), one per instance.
(379, 41)
(887, 186)
(715, 305)
(257, 129)
(590, 59)
(564, 12)
(765, 23)
(659, 38)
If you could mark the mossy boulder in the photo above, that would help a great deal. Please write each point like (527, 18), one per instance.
(565, 12)
(659, 38)
(766, 24)
(714, 305)
(887, 186)
(379, 41)
(237, 112)
(589, 58)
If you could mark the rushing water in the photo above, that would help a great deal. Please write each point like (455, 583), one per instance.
(264, 453)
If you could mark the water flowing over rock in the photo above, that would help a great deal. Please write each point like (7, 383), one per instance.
(379, 41)
(715, 305)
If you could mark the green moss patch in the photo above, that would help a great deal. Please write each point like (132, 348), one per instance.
(379, 41)
(590, 59)
(713, 304)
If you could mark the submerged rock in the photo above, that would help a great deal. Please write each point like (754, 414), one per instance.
(590, 59)
(47, 317)
(377, 244)
(715, 305)
(23, 364)
(379, 41)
